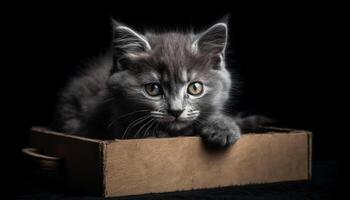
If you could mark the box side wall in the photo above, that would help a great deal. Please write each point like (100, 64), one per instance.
(81, 159)
(163, 165)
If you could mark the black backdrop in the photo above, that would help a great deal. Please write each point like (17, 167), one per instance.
(282, 53)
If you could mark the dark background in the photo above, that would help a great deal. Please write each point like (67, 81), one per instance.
(284, 55)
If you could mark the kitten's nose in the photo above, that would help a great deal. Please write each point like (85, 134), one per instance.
(175, 113)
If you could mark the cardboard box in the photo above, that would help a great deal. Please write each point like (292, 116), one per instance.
(152, 165)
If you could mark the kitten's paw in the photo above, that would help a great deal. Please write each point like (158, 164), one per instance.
(220, 134)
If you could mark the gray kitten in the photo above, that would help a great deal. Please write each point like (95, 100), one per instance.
(160, 85)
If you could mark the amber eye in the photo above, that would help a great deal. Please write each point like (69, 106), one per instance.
(195, 88)
(153, 89)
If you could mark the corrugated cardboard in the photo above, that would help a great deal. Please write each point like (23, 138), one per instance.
(139, 166)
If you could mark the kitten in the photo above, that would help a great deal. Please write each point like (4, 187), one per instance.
(159, 85)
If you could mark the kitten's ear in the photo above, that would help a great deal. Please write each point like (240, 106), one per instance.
(213, 40)
(126, 40)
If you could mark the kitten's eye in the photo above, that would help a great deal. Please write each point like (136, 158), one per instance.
(195, 88)
(153, 89)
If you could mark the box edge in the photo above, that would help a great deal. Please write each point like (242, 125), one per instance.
(44, 130)
(103, 153)
(309, 155)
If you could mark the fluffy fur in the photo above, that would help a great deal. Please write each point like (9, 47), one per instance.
(109, 99)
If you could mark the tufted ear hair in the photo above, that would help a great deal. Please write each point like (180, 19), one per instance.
(126, 43)
(213, 40)
(126, 40)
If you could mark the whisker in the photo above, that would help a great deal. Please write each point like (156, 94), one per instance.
(155, 128)
(110, 124)
(146, 132)
(133, 123)
(157, 112)
(115, 119)
(132, 113)
(138, 131)
(197, 123)
(201, 119)
(158, 116)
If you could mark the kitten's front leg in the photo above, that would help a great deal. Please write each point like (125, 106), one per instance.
(220, 130)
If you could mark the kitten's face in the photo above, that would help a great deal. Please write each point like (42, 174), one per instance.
(175, 79)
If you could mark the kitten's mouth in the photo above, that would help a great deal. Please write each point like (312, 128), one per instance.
(167, 119)
(171, 119)
(174, 123)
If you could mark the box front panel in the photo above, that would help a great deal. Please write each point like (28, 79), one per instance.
(171, 164)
